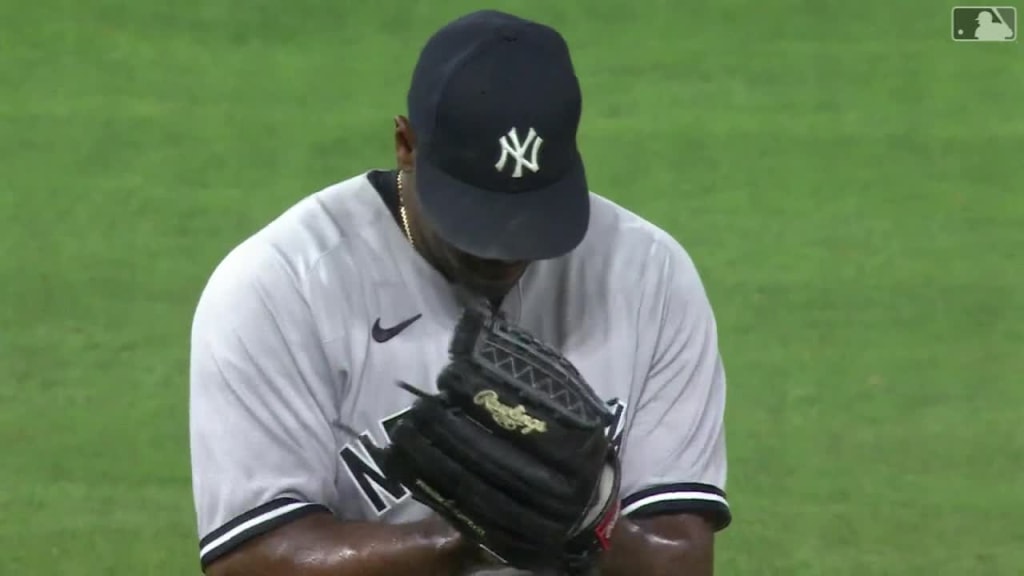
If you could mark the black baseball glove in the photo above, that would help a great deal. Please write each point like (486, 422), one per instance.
(512, 450)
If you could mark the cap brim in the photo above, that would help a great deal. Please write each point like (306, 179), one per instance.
(535, 225)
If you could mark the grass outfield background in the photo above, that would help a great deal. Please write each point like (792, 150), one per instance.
(847, 178)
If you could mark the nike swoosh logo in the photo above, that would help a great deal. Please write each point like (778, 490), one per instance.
(384, 334)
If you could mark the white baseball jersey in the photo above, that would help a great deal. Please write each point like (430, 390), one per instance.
(305, 328)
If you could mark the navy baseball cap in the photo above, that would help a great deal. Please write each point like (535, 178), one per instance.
(495, 105)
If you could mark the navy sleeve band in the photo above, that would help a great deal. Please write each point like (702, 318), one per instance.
(255, 522)
(703, 499)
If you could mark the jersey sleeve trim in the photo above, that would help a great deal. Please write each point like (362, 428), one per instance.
(255, 522)
(687, 497)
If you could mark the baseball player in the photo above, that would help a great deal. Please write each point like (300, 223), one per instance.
(305, 330)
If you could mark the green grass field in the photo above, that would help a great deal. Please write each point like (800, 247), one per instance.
(843, 174)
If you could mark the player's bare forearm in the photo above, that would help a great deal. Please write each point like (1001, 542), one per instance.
(681, 545)
(320, 545)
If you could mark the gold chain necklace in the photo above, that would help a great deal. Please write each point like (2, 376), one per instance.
(401, 208)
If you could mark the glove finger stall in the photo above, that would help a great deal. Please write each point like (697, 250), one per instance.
(451, 487)
(502, 465)
(518, 419)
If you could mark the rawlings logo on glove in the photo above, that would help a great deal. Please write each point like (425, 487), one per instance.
(512, 450)
(508, 417)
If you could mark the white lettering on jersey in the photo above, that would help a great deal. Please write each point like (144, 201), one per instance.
(510, 146)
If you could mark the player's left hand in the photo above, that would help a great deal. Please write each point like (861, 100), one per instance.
(512, 450)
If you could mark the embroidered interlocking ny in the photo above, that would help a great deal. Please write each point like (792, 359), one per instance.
(512, 147)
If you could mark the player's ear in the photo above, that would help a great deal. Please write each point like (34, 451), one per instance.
(405, 144)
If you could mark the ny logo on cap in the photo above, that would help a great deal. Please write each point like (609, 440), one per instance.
(511, 146)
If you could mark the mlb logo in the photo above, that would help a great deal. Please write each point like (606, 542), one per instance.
(984, 24)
